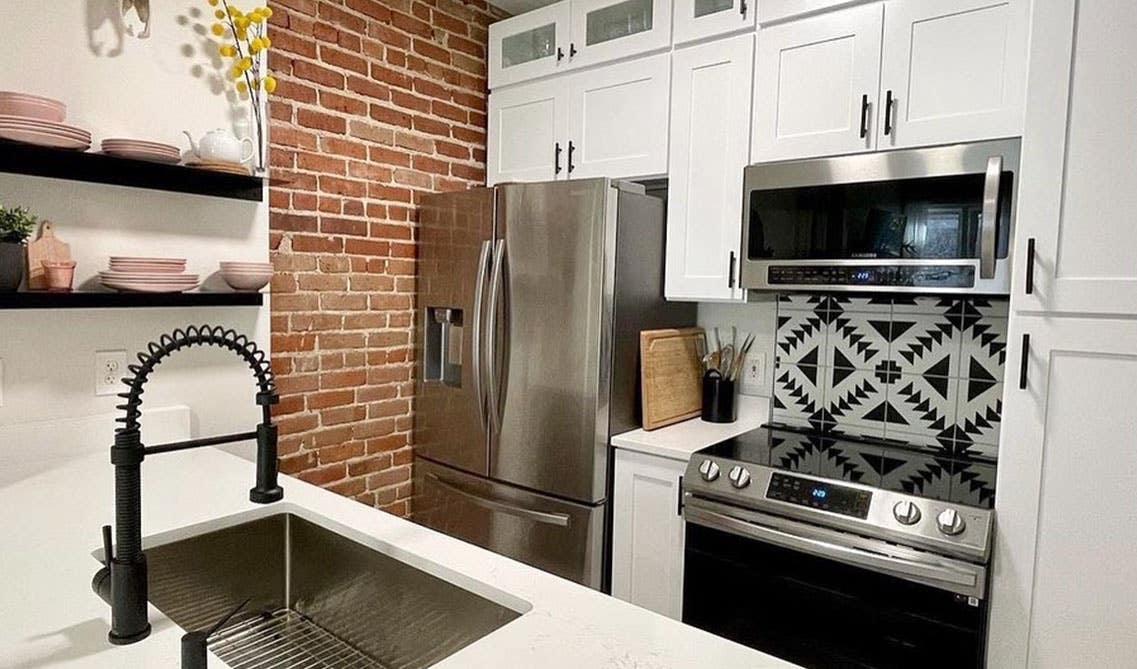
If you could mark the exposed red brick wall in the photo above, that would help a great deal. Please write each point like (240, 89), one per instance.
(378, 102)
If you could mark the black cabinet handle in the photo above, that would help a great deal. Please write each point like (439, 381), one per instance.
(1023, 361)
(572, 149)
(572, 49)
(742, 7)
(560, 54)
(888, 113)
(557, 158)
(679, 501)
(730, 272)
(1030, 266)
(864, 116)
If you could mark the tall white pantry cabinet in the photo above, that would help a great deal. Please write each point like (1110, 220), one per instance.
(1065, 577)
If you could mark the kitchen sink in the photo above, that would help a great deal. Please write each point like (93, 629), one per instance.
(317, 598)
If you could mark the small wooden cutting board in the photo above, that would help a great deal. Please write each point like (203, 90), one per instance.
(47, 247)
(670, 375)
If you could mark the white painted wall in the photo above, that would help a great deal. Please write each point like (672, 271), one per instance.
(758, 317)
(151, 89)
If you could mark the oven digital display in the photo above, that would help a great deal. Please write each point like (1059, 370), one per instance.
(819, 495)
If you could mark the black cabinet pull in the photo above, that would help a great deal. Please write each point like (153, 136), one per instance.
(864, 116)
(730, 272)
(888, 113)
(1023, 361)
(557, 158)
(742, 7)
(1030, 266)
(560, 54)
(679, 501)
(572, 49)
(572, 149)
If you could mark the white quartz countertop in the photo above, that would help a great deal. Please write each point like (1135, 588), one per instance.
(49, 617)
(680, 440)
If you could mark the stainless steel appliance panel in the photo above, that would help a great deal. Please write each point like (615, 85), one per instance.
(455, 240)
(558, 536)
(550, 349)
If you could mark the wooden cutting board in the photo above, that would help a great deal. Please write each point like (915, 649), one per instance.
(670, 375)
(47, 247)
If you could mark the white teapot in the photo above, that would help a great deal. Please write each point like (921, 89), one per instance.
(221, 146)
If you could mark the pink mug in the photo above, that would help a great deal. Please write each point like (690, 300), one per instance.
(58, 275)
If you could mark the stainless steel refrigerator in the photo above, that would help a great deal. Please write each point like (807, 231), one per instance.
(531, 298)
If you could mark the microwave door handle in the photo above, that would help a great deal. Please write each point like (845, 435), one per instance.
(476, 334)
(990, 221)
(927, 573)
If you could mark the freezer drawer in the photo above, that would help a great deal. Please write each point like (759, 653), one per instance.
(561, 537)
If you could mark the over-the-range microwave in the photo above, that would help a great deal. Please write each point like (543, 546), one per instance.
(930, 220)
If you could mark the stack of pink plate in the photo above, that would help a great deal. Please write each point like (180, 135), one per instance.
(36, 120)
(141, 150)
(148, 275)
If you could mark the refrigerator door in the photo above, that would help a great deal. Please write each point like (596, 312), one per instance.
(455, 241)
(551, 534)
(550, 314)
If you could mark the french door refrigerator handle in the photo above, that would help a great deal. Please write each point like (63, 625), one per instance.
(491, 325)
(559, 519)
(930, 574)
(476, 334)
(990, 220)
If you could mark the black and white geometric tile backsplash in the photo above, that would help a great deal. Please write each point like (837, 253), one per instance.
(923, 371)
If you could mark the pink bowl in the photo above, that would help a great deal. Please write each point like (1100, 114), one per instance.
(246, 280)
(31, 106)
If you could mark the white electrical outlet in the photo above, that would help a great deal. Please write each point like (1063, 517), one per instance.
(110, 367)
(754, 375)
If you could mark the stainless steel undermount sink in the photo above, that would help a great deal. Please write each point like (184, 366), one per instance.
(317, 598)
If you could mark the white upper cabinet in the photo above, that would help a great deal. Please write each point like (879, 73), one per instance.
(698, 19)
(618, 119)
(954, 71)
(710, 136)
(526, 133)
(816, 88)
(780, 10)
(1078, 190)
(530, 45)
(610, 29)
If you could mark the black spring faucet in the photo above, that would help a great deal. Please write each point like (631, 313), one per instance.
(122, 581)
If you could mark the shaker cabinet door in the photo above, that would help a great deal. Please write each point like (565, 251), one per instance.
(526, 131)
(816, 85)
(647, 532)
(1075, 241)
(618, 119)
(612, 29)
(710, 136)
(698, 19)
(954, 71)
(531, 45)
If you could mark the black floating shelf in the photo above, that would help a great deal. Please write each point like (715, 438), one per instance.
(99, 168)
(91, 300)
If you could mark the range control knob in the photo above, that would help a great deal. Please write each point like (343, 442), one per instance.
(739, 477)
(950, 522)
(906, 513)
(709, 470)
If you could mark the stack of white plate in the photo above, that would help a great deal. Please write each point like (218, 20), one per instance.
(35, 120)
(142, 150)
(148, 275)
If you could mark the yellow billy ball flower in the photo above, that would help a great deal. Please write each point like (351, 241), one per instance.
(242, 87)
(267, 11)
(246, 63)
(256, 45)
(266, 42)
(220, 14)
(212, 3)
(256, 17)
(270, 84)
(236, 72)
(218, 29)
(241, 22)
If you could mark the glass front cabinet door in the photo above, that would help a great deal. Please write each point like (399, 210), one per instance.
(698, 19)
(531, 45)
(610, 29)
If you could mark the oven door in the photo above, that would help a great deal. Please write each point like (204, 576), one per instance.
(822, 598)
(937, 219)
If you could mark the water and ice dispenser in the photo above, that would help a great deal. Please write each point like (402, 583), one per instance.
(443, 354)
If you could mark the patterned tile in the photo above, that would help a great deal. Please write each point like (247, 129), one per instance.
(802, 302)
(798, 396)
(983, 353)
(922, 411)
(857, 340)
(850, 398)
(859, 463)
(973, 483)
(881, 306)
(799, 453)
(801, 338)
(923, 475)
(979, 416)
(925, 343)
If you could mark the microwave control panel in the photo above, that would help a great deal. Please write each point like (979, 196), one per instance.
(918, 276)
(819, 495)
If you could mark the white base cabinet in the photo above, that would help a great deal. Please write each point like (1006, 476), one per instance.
(647, 532)
(710, 134)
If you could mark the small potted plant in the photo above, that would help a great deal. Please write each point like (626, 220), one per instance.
(16, 225)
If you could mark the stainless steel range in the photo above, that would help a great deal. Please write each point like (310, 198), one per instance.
(803, 546)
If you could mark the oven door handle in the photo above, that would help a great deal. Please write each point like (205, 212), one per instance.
(930, 574)
(988, 225)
